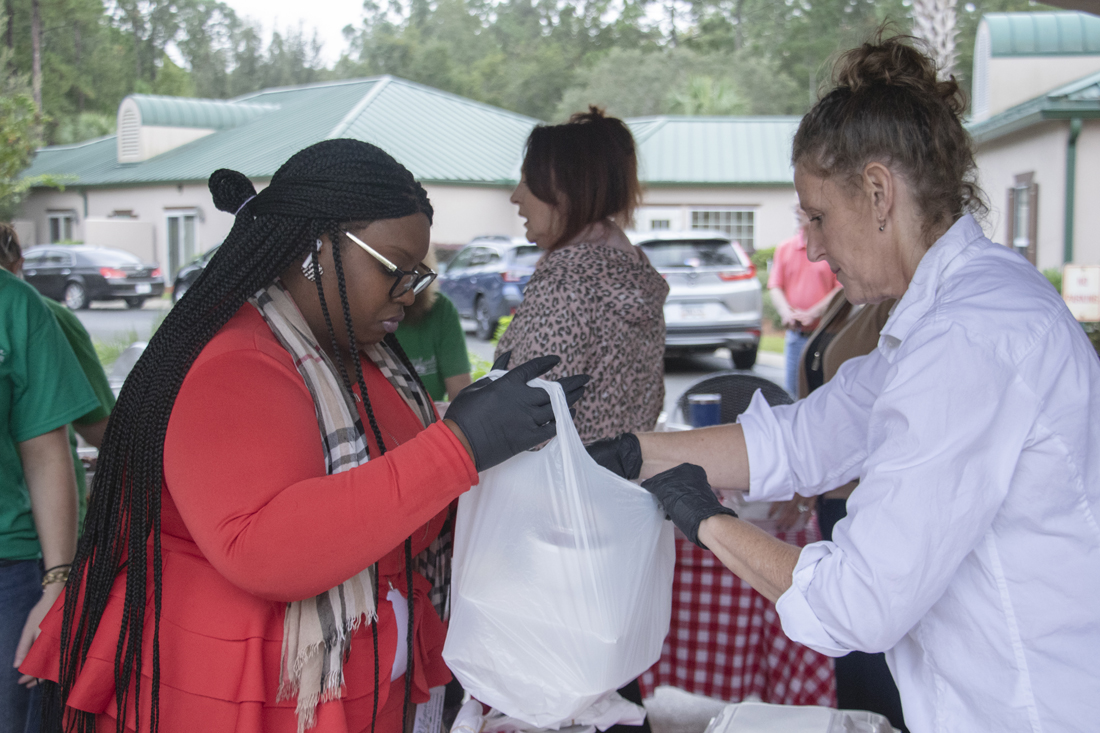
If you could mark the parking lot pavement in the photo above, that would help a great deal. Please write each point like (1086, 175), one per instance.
(112, 320)
(680, 371)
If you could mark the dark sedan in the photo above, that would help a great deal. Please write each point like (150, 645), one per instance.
(189, 274)
(77, 274)
(487, 277)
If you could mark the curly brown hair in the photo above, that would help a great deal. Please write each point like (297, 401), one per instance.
(10, 251)
(888, 105)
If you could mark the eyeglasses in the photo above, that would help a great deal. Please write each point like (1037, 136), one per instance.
(415, 280)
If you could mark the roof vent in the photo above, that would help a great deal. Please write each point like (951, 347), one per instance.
(129, 132)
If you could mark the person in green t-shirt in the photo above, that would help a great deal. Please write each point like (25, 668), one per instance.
(91, 426)
(432, 337)
(42, 390)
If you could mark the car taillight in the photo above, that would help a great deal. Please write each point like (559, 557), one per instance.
(746, 274)
(111, 272)
(155, 273)
(730, 275)
(511, 277)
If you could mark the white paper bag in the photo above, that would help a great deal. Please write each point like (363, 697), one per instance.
(562, 581)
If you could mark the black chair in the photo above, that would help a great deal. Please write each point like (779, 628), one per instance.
(736, 389)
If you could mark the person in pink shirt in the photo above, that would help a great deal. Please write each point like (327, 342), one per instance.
(801, 291)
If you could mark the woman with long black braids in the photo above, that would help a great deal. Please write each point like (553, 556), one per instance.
(254, 558)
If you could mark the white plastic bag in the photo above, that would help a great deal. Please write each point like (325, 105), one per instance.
(562, 581)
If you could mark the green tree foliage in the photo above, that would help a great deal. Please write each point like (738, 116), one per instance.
(20, 135)
(544, 58)
(680, 80)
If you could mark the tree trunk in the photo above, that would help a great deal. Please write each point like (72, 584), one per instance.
(934, 23)
(36, 51)
(9, 8)
(739, 36)
(79, 71)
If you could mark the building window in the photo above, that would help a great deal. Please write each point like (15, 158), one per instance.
(1023, 216)
(736, 224)
(655, 224)
(182, 239)
(61, 227)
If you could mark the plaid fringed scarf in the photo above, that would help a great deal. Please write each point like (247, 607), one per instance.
(317, 631)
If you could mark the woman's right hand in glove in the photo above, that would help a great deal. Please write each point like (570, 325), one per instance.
(685, 495)
(498, 419)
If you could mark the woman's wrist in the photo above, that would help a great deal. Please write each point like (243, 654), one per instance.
(56, 575)
(461, 436)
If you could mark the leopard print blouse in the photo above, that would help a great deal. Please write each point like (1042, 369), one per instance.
(601, 309)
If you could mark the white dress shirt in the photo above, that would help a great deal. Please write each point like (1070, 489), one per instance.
(971, 549)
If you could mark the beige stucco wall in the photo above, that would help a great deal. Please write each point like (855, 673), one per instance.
(773, 221)
(150, 204)
(1041, 149)
(1086, 212)
(465, 212)
(461, 212)
(40, 204)
(156, 139)
(1016, 79)
(133, 235)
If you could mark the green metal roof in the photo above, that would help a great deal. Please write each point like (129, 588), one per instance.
(1079, 99)
(1043, 34)
(440, 137)
(210, 114)
(711, 151)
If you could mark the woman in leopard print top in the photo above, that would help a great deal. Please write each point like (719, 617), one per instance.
(594, 299)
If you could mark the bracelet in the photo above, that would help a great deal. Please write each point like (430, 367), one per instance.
(60, 574)
(55, 567)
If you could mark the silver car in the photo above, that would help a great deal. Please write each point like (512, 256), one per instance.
(714, 297)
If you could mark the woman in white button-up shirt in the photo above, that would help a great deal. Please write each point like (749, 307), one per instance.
(971, 549)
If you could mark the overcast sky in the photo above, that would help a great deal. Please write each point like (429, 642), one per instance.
(328, 16)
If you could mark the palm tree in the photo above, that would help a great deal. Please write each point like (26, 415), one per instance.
(934, 23)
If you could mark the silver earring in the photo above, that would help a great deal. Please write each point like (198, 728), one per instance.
(882, 227)
(307, 265)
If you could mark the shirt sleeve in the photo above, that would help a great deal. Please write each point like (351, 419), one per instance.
(819, 442)
(947, 433)
(53, 390)
(81, 344)
(246, 472)
(777, 276)
(451, 356)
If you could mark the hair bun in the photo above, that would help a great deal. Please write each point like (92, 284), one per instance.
(230, 189)
(896, 62)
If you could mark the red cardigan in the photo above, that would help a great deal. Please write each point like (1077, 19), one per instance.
(251, 521)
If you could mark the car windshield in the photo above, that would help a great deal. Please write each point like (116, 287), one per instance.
(109, 258)
(526, 255)
(691, 253)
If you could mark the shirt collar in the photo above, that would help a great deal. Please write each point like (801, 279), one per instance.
(938, 263)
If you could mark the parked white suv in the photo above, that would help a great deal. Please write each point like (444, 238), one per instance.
(714, 297)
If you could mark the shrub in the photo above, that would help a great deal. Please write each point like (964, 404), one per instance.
(1055, 276)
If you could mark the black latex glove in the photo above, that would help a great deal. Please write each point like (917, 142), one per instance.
(686, 497)
(505, 417)
(621, 455)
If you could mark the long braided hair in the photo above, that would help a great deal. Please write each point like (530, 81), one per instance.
(317, 191)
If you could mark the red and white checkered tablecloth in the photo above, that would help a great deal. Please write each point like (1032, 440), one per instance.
(726, 642)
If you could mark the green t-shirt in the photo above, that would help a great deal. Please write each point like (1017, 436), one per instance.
(436, 346)
(41, 389)
(81, 343)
